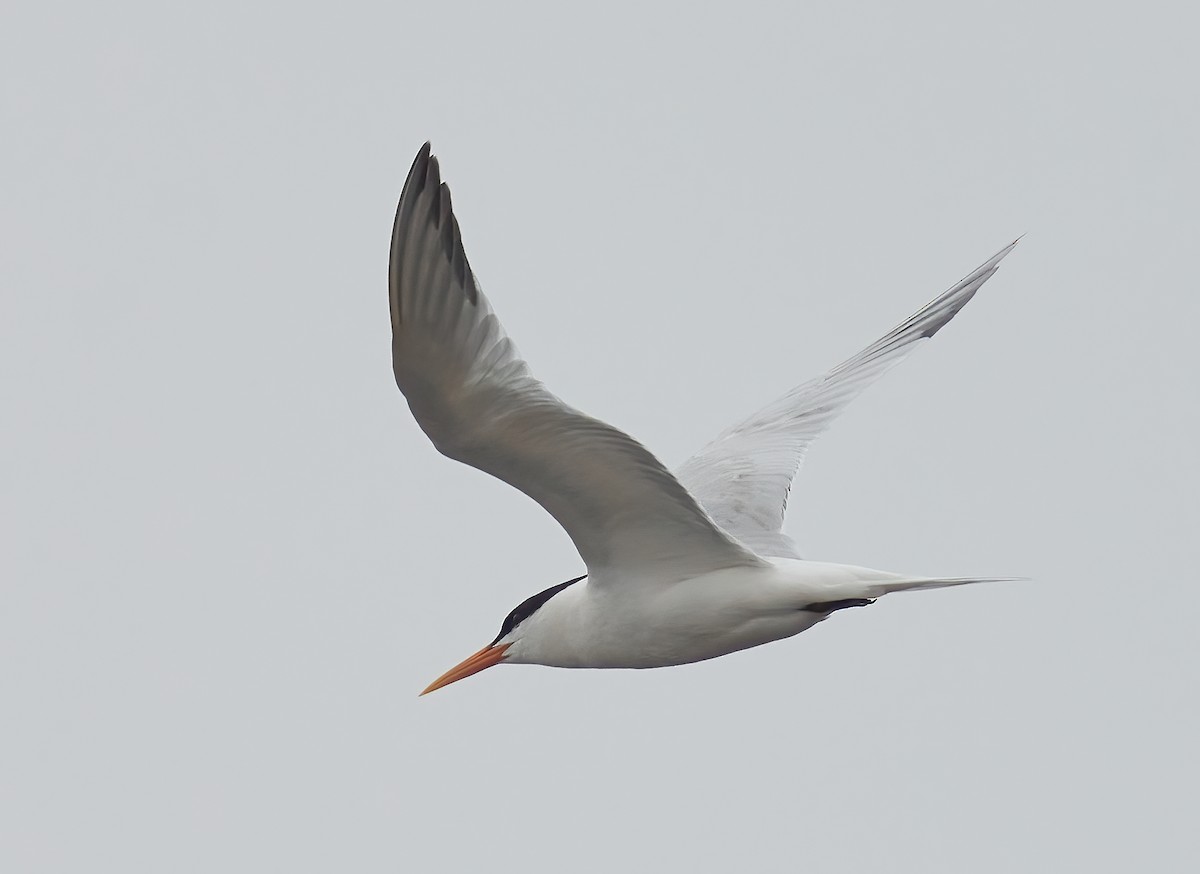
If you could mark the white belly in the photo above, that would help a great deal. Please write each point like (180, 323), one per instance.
(635, 625)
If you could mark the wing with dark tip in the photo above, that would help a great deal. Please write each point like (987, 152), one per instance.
(475, 397)
(743, 477)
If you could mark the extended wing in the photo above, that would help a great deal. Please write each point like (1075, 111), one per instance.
(475, 397)
(742, 478)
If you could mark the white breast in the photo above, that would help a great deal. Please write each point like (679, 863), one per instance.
(655, 625)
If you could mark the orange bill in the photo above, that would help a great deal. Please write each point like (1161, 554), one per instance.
(485, 658)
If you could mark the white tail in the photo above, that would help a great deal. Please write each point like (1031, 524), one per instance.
(935, 583)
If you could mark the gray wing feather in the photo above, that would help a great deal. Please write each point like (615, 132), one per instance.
(478, 402)
(742, 478)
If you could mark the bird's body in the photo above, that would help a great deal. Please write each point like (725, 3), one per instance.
(650, 624)
(682, 566)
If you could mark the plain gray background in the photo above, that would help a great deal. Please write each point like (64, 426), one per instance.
(231, 559)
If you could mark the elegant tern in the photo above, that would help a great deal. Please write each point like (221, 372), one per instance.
(681, 567)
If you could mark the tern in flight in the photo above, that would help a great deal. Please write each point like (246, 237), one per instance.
(681, 566)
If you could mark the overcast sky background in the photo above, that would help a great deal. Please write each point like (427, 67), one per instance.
(231, 559)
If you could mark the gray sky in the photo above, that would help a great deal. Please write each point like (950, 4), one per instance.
(231, 559)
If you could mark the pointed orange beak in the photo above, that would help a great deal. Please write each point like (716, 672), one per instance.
(485, 658)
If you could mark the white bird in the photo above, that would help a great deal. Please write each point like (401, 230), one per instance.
(680, 567)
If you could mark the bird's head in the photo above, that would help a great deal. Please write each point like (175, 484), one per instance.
(510, 635)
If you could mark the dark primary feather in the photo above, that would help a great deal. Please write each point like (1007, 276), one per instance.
(479, 403)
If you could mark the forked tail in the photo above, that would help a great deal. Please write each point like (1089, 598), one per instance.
(878, 589)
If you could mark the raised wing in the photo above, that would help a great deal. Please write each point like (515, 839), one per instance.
(477, 400)
(742, 478)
